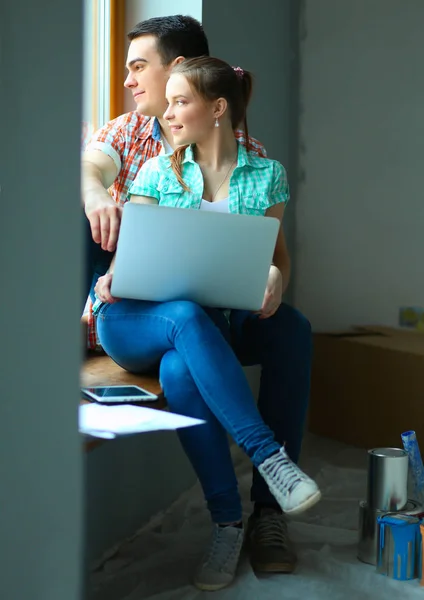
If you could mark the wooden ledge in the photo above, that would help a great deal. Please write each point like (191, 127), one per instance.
(101, 370)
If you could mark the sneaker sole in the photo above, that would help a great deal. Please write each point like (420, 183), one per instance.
(269, 567)
(273, 567)
(210, 587)
(309, 502)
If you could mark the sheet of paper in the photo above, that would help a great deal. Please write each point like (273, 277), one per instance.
(109, 421)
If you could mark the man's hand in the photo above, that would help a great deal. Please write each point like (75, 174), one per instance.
(104, 215)
(98, 173)
(102, 289)
(273, 294)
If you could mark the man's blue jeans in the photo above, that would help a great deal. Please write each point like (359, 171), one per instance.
(202, 377)
(97, 262)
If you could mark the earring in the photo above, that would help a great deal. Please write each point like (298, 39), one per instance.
(216, 122)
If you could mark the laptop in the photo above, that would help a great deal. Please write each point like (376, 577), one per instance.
(214, 259)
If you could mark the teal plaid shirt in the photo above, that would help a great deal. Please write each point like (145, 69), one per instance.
(255, 184)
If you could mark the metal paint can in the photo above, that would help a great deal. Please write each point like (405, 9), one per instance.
(387, 479)
(369, 529)
(421, 555)
(398, 546)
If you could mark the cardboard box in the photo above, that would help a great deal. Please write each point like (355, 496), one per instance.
(368, 386)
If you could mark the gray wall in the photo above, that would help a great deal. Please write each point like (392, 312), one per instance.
(41, 253)
(262, 37)
(128, 481)
(360, 209)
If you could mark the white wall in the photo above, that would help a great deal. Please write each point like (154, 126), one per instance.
(41, 258)
(140, 10)
(360, 209)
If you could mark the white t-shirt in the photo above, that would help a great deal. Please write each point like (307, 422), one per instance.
(166, 148)
(220, 206)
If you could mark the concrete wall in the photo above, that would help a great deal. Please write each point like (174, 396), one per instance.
(128, 481)
(359, 211)
(41, 257)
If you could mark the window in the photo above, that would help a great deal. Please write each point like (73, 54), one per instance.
(103, 57)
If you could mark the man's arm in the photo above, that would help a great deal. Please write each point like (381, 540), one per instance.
(98, 172)
(104, 283)
(255, 145)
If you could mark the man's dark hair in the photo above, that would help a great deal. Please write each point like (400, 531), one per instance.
(177, 35)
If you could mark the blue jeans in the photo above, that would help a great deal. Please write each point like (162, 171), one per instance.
(282, 346)
(202, 377)
(97, 261)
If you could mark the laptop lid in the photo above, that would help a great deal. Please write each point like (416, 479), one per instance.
(214, 259)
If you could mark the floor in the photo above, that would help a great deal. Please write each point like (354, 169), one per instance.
(157, 562)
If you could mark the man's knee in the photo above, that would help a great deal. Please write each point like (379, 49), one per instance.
(291, 320)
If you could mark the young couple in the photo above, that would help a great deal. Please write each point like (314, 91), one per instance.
(194, 103)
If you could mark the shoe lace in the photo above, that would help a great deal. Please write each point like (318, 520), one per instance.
(286, 472)
(271, 530)
(223, 551)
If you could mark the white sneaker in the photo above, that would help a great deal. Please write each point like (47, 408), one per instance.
(219, 564)
(293, 490)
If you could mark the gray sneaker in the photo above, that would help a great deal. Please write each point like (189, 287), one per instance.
(268, 544)
(219, 564)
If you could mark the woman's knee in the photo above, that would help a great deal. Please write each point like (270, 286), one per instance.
(173, 371)
(181, 311)
(178, 386)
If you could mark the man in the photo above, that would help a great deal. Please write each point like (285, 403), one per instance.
(283, 348)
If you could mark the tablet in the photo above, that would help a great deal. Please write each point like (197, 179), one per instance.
(118, 394)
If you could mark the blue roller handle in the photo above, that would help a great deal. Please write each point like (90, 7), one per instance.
(416, 467)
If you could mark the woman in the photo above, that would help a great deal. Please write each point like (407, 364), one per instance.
(199, 371)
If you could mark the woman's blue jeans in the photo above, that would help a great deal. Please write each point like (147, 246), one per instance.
(202, 377)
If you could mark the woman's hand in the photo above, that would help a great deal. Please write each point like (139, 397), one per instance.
(273, 293)
(102, 289)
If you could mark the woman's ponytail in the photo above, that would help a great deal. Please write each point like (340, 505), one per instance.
(246, 82)
(176, 164)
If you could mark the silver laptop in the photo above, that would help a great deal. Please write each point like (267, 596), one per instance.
(214, 259)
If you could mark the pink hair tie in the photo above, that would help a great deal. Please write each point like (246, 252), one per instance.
(239, 72)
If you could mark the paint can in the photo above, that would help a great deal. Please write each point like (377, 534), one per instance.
(398, 546)
(368, 529)
(387, 479)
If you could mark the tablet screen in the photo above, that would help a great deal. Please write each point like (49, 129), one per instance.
(119, 391)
